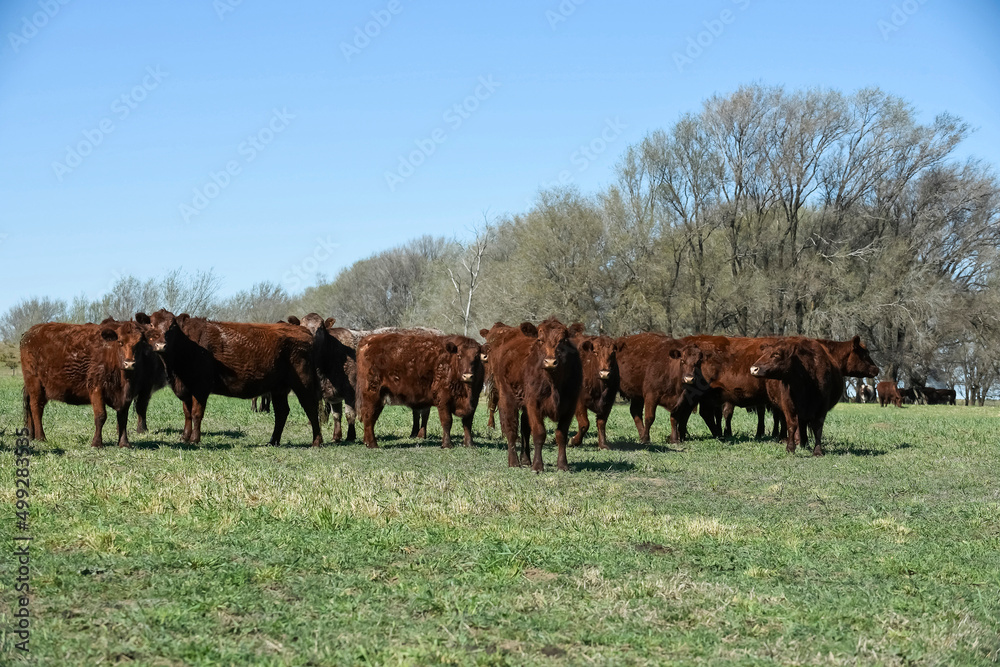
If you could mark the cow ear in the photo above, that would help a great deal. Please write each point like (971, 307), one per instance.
(587, 346)
(576, 329)
(483, 332)
(529, 330)
(451, 347)
(330, 321)
(675, 354)
(294, 320)
(857, 342)
(109, 334)
(142, 318)
(182, 319)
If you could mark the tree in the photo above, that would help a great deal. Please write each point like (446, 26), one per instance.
(28, 312)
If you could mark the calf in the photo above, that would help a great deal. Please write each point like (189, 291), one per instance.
(537, 372)
(499, 333)
(103, 365)
(657, 370)
(804, 383)
(152, 379)
(204, 357)
(601, 382)
(888, 392)
(419, 370)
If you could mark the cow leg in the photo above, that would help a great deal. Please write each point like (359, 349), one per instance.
(582, 423)
(310, 405)
(537, 425)
(649, 408)
(420, 418)
(37, 405)
(818, 434)
(265, 403)
(351, 417)
(279, 401)
(336, 409)
(188, 428)
(492, 400)
(711, 414)
(562, 430)
(445, 416)
(678, 422)
(760, 422)
(370, 411)
(635, 409)
(467, 429)
(508, 425)
(727, 415)
(525, 439)
(123, 426)
(100, 416)
(253, 404)
(792, 424)
(602, 421)
(197, 413)
(141, 404)
(416, 424)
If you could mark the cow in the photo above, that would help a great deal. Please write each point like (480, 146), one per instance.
(493, 336)
(601, 382)
(264, 406)
(804, 382)
(867, 393)
(337, 355)
(103, 365)
(657, 370)
(152, 379)
(888, 392)
(936, 396)
(242, 360)
(538, 374)
(419, 370)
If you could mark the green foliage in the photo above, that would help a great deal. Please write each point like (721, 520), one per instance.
(882, 552)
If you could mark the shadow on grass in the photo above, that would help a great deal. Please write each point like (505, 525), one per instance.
(226, 433)
(633, 446)
(840, 449)
(182, 446)
(601, 466)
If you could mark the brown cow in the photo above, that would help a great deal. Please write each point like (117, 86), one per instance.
(537, 372)
(888, 393)
(204, 357)
(337, 348)
(102, 365)
(804, 382)
(419, 370)
(152, 379)
(601, 381)
(657, 370)
(494, 336)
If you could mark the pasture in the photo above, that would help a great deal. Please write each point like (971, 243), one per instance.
(885, 551)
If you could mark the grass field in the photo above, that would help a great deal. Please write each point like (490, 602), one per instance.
(886, 551)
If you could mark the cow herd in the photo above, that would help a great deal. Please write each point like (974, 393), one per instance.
(529, 374)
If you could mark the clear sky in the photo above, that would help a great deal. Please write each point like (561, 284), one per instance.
(264, 139)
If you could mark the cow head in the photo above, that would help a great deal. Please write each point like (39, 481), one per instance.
(466, 359)
(776, 360)
(128, 341)
(602, 351)
(859, 363)
(160, 328)
(484, 352)
(552, 340)
(690, 358)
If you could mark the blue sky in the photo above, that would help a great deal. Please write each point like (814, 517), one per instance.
(249, 137)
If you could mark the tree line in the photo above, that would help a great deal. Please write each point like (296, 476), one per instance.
(766, 212)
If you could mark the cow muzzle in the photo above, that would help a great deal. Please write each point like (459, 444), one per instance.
(688, 379)
(604, 375)
(755, 371)
(160, 347)
(128, 365)
(467, 378)
(550, 362)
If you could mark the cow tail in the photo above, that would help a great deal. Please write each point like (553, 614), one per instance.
(26, 403)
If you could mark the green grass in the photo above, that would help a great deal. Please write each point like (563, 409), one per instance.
(886, 551)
